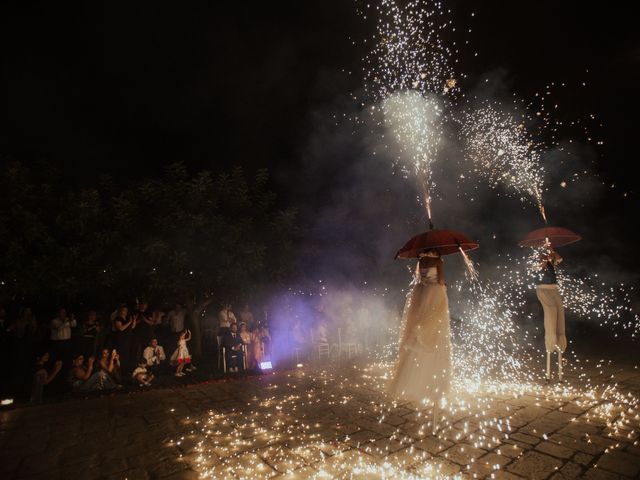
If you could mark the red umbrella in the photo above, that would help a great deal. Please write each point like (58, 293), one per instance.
(445, 241)
(557, 237)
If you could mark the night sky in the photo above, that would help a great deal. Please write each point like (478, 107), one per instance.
(127, 87)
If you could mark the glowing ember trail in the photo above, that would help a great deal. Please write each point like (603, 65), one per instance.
(503, 152)
(408, 72)
(416, 123)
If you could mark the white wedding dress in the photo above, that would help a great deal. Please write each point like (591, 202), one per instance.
(423, 370)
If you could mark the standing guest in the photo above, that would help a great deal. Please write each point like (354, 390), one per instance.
(61, 335)
(175, 318)
(25, 325)
(225, 319)
(110, 363)
(123, 326)
(144, 328)
(110, 327)
(181, 356)
(209, 326)
(154, 355)
(84, 379)
(247, 340)
(141, 375)
(246, 317)
(160, 325)
(90, 332)
(41, 377)
(157, 319)
(264, 342)
(233, 349)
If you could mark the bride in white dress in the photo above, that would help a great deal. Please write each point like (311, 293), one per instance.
(423, 370)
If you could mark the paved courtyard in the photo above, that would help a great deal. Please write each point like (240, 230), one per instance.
(333, 421)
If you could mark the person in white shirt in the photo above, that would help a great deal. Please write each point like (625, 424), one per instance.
(154, 355)
(61, 335)
(225, 318)
(175, 318)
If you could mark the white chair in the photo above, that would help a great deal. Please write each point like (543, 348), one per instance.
(350, 348)
(297, 351)
(319, 348)
(224, 358)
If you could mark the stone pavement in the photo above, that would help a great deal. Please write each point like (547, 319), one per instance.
(332, 422)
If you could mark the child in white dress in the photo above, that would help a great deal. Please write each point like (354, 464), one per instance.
(181, 356)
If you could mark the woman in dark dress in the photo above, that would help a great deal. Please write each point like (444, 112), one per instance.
(123, 328)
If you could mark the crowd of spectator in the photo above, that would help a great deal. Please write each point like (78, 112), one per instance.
(135, 346)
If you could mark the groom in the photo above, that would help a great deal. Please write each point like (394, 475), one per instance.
(233, 349)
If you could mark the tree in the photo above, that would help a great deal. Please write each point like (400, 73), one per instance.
(181, 236)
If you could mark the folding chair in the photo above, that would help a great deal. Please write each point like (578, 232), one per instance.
(351, 348)
(321, 348)
(224, 358)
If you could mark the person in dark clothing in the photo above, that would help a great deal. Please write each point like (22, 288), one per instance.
(233, 349)
(123, 328)
(90, 332)
(144, 330)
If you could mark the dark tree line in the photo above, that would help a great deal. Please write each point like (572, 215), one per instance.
(189, 237)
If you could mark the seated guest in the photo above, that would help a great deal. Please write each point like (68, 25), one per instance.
(84, 379)
(141, 375)
(110, 363)
(243, 331)
(41, 377)
(154, 355)
(233, 349)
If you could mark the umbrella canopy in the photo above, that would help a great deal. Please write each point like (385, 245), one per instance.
(445, 242)
(557, 237)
